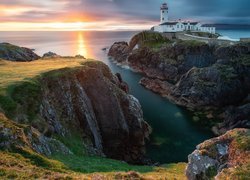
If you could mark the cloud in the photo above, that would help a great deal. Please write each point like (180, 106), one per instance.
(123, 11)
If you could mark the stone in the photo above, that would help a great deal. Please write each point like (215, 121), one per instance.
(12, 52)
(214, 157)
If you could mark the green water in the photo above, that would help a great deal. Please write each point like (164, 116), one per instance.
(175, 134)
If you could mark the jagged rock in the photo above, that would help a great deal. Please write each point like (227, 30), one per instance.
(235, 117)
(14, 136)
(193, 74)
(229, 152)
(119, 51)
(16, 53)
(80, 56)
(50, 55)
(94, 102)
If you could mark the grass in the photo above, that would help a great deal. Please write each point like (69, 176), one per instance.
(149, 39)
(12, 72)
(91, 164)
(18, 82)
(191, 43)
(22, 166)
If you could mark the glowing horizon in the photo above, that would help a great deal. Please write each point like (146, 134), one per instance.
(101, 15)
(69, 26)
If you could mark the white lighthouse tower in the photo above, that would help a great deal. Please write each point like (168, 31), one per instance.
(164, 13)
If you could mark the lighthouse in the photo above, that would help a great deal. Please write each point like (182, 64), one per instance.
(164, 13)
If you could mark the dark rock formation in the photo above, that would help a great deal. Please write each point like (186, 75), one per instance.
(235, 117)
(92, 101)
(194, 74)
(50, 55)
(226, 157)
(14, 136)
(15, 53)
(80, 56)
(119, 51)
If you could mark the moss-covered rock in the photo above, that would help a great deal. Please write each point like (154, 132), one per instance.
(16, 53)
(226, 157)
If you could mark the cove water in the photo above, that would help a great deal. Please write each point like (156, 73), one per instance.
(175, 134)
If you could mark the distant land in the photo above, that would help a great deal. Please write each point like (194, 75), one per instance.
(231, 26)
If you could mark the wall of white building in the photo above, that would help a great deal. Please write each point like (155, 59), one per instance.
(184, 27)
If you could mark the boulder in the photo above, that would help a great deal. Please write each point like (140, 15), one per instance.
(224, 157)
(119, 51)
(50, 54)
(15, 53)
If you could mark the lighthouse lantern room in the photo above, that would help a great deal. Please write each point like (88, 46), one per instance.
(164, 13)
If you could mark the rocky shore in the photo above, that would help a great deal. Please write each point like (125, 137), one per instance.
(84, 111)
(201, 77)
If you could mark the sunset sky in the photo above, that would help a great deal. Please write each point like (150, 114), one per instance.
(114, 14)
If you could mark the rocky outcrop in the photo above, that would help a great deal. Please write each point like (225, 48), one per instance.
(50, 54)
(15, 53)
(171, 61)
(91, 100)
(235, 117)
(15, 137)
(224, 157)
(119, 51)
(195, 75)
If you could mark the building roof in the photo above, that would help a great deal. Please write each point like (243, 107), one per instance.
(191, 23)
(169, 23)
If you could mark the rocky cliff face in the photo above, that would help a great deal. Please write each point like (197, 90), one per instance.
(224, 157)
(90, 99)
(15, 53)
(195, 75)
(87, 105)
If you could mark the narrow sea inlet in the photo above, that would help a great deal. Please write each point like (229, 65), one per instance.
(175, 134)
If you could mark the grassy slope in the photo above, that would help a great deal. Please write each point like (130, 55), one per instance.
(17, 84)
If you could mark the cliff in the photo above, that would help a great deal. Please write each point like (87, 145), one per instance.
(195, 75)
(87, 101)
(66, 122)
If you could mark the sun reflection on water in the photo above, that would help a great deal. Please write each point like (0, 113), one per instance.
(82, 48)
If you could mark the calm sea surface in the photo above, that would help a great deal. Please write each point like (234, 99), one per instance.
(175, 135)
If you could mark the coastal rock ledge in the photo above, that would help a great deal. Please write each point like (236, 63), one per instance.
(224, 157)
(209, 78)
(89, 103)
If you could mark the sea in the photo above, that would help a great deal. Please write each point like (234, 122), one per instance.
(175, 131)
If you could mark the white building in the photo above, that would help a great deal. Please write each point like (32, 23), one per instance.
(178, 26)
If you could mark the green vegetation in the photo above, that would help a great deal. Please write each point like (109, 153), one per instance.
(149, 39)
(90, 164)
(191, 43)
(203, 34)
(243, 141)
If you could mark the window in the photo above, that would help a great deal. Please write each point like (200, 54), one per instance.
(177, 26)
(163, 19)
(163, 11)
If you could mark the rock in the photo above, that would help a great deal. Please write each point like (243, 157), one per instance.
(119, 51)
(234, 117)
(50, 54)
(80, 56)
(94, 102)
(162, 87)
(192, 74)
(214, 157)
(14, 53)
(15, 137)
